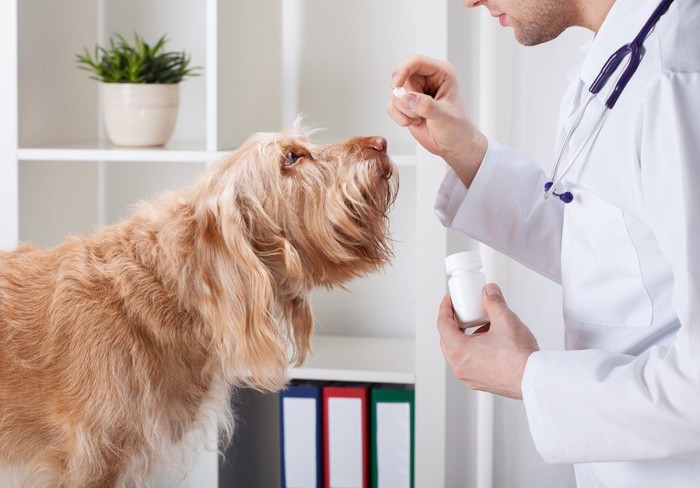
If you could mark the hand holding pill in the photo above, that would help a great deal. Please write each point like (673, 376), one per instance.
(427, 100)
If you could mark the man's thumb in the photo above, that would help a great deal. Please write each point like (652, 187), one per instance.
(493, 299)
(418, 104)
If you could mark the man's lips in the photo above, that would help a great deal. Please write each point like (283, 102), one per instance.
(502, 19)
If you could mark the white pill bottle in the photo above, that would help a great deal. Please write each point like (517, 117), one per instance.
(466, 286)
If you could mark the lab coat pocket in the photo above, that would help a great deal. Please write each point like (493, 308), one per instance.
(601, 277)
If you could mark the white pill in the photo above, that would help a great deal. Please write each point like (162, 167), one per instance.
(399, 91)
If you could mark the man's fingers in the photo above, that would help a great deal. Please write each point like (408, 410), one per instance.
(416, 65)
(447, 323)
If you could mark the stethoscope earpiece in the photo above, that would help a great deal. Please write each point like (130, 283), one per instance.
(566, 197)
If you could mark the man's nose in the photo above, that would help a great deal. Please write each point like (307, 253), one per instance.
(472, 3)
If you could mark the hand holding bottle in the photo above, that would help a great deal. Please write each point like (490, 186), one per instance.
(493, 358)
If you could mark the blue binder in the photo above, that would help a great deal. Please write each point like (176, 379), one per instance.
(301, 437)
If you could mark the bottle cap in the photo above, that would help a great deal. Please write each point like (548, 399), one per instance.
(469, 260)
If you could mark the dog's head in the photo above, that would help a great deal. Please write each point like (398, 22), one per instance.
(281, 216)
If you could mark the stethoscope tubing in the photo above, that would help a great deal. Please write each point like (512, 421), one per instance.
(567, 137)
(579, 149)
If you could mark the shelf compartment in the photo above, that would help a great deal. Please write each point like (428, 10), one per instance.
(359, 359)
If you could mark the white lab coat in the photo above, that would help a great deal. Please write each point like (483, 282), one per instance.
(623, 402)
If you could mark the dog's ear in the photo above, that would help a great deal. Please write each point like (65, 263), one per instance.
(239, 302)
(301, 319)
(283, 261)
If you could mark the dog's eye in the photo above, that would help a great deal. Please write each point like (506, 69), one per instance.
(291, 159)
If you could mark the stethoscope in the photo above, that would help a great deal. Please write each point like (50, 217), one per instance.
(634, 49)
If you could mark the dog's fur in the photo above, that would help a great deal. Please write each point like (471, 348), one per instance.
(115, 346)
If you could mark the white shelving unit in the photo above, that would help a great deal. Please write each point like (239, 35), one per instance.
(336, 359)
(262, 63)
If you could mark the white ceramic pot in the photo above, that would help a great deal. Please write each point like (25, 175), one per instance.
(140, 114)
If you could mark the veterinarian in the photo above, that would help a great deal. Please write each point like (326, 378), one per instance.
(623, 401)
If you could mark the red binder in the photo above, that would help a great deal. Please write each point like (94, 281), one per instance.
(346, 436)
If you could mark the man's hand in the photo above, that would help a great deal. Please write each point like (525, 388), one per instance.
(434, 113)
(493, 358)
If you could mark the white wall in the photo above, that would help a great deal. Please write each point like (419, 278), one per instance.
(8, 127)
(54, 200)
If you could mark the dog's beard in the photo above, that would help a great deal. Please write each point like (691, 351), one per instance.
(368, 202)
(342, 229)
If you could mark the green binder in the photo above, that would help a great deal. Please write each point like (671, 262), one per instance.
(392, 437)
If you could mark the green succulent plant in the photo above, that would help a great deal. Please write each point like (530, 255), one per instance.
(137, 62)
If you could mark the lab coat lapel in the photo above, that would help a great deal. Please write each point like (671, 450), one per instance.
(622, 24)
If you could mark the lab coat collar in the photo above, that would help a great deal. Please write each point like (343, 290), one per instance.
(575, 72)
(622, 24)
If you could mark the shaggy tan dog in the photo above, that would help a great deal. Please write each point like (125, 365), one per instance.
(115, 346)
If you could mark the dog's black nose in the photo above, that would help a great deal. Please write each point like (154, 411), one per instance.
(377, 143)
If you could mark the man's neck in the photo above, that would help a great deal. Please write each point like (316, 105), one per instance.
(593, 13)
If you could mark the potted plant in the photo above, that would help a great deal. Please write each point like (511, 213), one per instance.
(139, 88)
